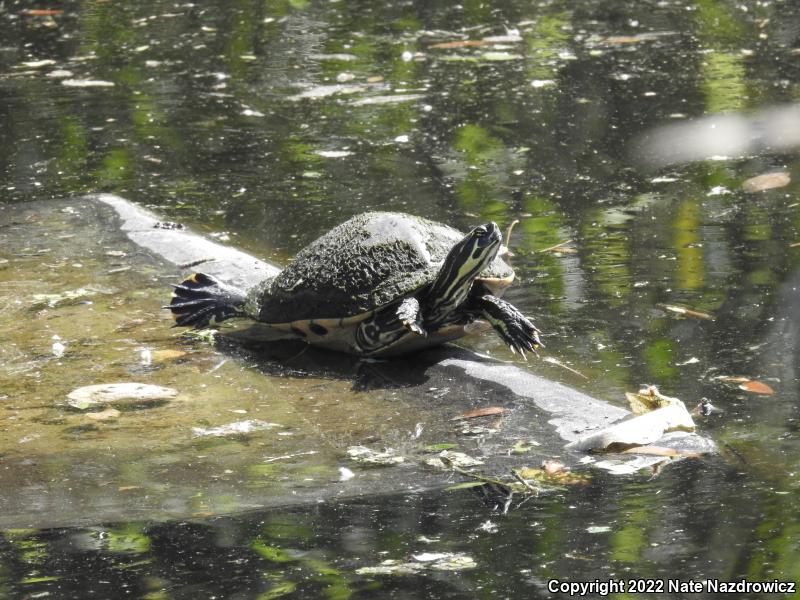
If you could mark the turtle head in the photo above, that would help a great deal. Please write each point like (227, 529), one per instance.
(462, 265)
(471, 255)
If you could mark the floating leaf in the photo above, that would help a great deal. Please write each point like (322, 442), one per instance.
(43, 12)
(477, 430)
(767, 181)
(461, 44)
(499, 56)
(558, 477)
(448, 459)
(686, 312)
(435, 561)
(652, 450)
(271, 553)
(36, 64)
(237, 428)
(747, 384)
(481, 412)
(367, 456)
(439, 447)
(464, 486)
(386, 99)
(598, 528)
(453, 561)
(392, 567)
(430, 556)
(621, 40)
(86, 83)
(756, 387)
(732, 378)
(523, 446)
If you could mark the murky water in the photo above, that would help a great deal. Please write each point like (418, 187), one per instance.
(266, 123)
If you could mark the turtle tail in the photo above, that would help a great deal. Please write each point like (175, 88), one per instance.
(200, 298)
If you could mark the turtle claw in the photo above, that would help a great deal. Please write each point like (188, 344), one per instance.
(515, 329)
(409, 315)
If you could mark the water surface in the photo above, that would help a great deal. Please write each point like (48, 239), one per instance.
(266, 123)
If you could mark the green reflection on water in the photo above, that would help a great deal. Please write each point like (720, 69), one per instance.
(724, 82)
(731, 255)
(689, 270)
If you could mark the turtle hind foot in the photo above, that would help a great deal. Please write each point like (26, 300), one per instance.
(200, 298)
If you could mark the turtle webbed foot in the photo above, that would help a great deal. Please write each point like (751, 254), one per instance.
(511, 325)
(409, 315)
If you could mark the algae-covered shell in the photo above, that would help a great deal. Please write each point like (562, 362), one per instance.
(361, 265)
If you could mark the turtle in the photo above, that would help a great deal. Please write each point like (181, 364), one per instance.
(379, 284)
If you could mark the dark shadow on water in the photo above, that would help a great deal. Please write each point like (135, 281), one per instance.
(295, 358)
(330, 549)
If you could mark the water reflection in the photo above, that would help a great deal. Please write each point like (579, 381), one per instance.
(672, 528)
(271, 122)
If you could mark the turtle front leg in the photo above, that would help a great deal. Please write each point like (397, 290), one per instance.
(511, 325)
(409, 314)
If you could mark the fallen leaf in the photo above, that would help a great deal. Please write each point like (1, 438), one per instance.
(439, 447)
(756, 387)
(237, 428)
(448, 459)
(436, 561)
(367, 456)
(127, 488)
(464, 485)
(795, 245)
(732, 378)
(561, 250)
(86, 83)
(747, 384)
(476, 430)
(652, 450)
(767, 181)
(460, 44)
(620, 40)
(598, 529)
(43, 12)
(686, 312)
(521, 447)
(480, 412)
(551, 467)
(561, 477)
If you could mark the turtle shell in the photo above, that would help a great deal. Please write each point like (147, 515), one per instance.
(361, 265)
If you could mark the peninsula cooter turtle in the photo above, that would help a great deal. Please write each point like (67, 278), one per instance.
(379, 284)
